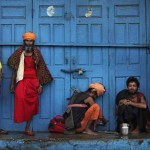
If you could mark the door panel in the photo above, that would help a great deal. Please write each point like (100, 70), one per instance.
(15, 19)
(127, 27)
(55, 28)
(89, 29)
(52, 30)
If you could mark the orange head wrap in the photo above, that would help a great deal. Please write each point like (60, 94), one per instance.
(98, 87)
(29, 35)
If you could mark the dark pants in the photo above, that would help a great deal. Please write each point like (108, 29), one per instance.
(135, 117)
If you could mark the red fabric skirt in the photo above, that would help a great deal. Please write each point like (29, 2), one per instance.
(26, 100)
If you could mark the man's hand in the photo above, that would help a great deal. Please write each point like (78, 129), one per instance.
(1, 75)
(123, 102)
(40, 89)
(127, 103)
(12, 88)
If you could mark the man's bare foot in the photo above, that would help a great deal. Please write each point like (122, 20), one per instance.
(90, 132)
(104, 121)
(135, 131)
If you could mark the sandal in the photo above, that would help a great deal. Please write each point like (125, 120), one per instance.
(3, 131)
(29, 133)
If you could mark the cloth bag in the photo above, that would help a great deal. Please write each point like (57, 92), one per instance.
(56, 124)
(68, 117)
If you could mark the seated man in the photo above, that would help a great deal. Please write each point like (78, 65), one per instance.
(131, 107)
(85, 111)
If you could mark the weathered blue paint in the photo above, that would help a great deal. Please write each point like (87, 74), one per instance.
(75, 145)
(109, 45)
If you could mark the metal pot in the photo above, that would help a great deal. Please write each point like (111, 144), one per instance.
(124, 129)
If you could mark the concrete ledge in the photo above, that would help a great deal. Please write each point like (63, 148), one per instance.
(49, 141)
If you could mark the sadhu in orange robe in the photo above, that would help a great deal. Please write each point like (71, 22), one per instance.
(82, 115)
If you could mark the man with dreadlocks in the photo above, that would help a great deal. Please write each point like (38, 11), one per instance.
(131, 107)
(30, 73)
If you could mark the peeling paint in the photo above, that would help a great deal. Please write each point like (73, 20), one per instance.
(88, 13)
(50, 11)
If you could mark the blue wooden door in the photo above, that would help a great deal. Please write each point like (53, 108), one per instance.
(127, 30)
(15, 19)
(58, 33)
(88, 32)
(51, 25)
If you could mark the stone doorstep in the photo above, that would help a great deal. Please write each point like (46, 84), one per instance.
(56, 141)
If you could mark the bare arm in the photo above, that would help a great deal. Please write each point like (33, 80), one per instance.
(142, 104)
(123, 101)
(13, 79)
(89, 100)
(1, 74)
(40, 86)
(1, 71)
